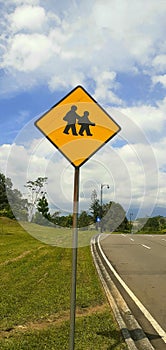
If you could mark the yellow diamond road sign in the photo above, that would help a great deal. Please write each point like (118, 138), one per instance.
(77, 126)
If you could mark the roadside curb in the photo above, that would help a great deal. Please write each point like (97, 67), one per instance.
(132, 332)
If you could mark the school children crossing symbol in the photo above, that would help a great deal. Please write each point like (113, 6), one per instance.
(78, 126)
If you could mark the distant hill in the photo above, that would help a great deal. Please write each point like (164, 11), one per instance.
(156, 212)
(159, 211)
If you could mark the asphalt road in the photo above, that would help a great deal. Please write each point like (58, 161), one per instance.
(140, 260)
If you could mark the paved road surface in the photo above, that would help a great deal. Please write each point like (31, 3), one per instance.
(140, 260)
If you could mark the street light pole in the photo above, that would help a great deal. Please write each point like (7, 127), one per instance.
(101, 204)
(131, 214)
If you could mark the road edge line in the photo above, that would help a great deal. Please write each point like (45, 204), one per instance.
(146, 313)
(125, 333)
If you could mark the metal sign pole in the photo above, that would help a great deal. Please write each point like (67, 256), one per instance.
(74, 258)
(101, 207)
(50, 124)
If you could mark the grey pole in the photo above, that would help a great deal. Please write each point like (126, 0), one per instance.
(101, 204)
(131, 214)
(74, 258)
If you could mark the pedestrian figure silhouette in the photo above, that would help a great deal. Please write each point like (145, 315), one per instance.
(71, 118)
(85, 124)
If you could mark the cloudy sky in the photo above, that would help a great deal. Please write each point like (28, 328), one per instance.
(116, 50)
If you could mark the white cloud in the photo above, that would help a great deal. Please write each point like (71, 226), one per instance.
(142, 120)
(133, 26)
(162, 189)
(28, 52)
(58, 81)
(122, 169)
(105, 82)
(159, 79)
(31, 18)
(4, 153)
(159, 150)
(39, 159)
(159, 63)
(71, 39)
(22, 2)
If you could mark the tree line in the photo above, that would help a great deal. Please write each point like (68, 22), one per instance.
(34, 208)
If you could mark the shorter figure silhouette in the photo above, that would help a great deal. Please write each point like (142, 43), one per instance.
(71, 118)
(85, 124)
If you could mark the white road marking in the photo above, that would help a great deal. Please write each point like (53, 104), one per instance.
(146, 313)
(131, 239)
(145, 246)
(123, 235)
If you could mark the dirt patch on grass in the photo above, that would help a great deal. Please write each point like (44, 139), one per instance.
(21, 256)
(53, 320)
(5, 220)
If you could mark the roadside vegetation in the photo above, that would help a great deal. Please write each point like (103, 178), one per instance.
(155, 225)
(33, 207)
(35, 296)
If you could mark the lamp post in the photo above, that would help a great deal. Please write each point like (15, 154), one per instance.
(131, 214)
(101, 204)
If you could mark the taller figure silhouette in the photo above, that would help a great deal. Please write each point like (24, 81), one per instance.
(71, 118)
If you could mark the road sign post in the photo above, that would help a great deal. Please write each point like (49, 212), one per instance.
(78, 127)
(74, 257)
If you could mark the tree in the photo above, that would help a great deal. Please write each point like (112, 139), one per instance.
(113, 214)
(43, 208)
(162, 222)
(4, 203)
(11, 202)
(18, 204)
(84, 220)
(95, 206)
(42, 215)
(55, 218)
(65, 221)
(114, 218)
(69, 220)
(124, 226)
(35, 189)
(152, 224)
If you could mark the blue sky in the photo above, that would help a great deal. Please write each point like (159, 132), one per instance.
(116, 50)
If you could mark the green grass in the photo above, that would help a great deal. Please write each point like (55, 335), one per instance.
(35, 296)
(97, 332)
(61, 237)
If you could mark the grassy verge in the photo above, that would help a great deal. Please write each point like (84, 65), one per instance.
(35, 296)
